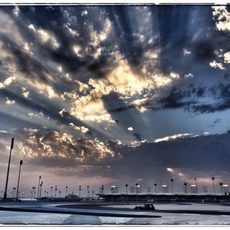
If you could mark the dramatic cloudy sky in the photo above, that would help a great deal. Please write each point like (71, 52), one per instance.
(115, 94)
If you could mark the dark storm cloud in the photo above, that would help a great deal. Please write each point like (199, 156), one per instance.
(176, 154)
(205, 154)
(114, 105)
(222, 94)
(207, 108)
(137, 136)
(189, 98)
(174, 99)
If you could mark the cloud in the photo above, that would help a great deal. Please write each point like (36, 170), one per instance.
(182, 155)
(62, 148)
(174, 99)
(130, 128)
(174, 137)
(98, 38)
(179, 154)
(227, 57)
(186, 52)
(9, 102)
(82, 129)
(215, 64)
(81, 82)
(6, 82)
(222, 17)
(3, 131)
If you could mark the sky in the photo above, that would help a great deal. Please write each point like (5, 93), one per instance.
(115, 95)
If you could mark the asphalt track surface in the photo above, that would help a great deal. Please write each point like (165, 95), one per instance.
(80, 211)
(185, 211)
(103, 210)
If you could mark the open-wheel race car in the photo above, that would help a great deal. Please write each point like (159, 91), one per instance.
(145, 207)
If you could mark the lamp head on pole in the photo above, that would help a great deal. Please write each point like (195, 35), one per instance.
(12, 143)
(21, 162)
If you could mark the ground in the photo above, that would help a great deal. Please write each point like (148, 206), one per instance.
(169, 218)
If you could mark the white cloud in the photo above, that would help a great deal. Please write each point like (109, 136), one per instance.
(8, 81)
(59, 68)
(61, 145)
(222, 17)
(98, 37)
(3, 131)
(77, 49)
(71, 31)
(186, 52)
(9, 102)
(82, 129)
(32, 27)
(27, 47)
(45, 36)
(174, 137)
(84, 12)
(227, 57)
(151, 54)
(216, 65)
(16, 11)
(62, 112)
(189, 75)
(25, 92)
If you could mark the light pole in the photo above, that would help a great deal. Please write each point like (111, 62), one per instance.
(51, 191)
(213, 185)
(155, 185)
(33, 192)
(126, 188)
(19, 174)
(8, 169)
(39, 178)
(102, 189)
(41, 189)
(196, 185)
(185, 188)
(79, 188)
(137, 186)
(172, 180)
(88, 191)
(55, 191)
(66, 190)
(92, 194)
(14, 194)
(221, 188)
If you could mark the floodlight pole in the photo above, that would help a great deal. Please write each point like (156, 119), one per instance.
(8, 169)
(39, 178)
(19, 174)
